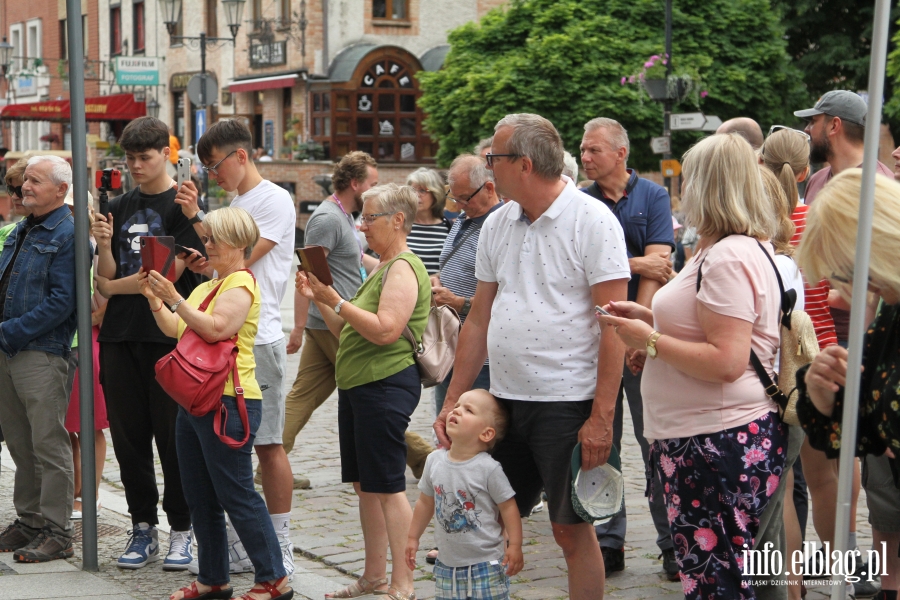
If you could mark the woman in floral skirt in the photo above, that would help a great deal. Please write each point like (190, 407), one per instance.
(718, 444)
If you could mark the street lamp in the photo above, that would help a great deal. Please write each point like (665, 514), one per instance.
(171, 10)
(6, 53)
(153, 108)
(234, 9)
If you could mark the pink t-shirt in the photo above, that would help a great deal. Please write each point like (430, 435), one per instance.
(738, 281)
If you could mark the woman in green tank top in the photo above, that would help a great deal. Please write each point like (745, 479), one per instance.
(378, 382)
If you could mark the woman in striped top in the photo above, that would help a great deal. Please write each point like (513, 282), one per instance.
(430, 229)
(786, 153)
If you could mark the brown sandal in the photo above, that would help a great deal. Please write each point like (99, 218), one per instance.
(361, 587)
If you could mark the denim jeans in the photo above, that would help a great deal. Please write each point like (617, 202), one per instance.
(216, 477)
(482, 382)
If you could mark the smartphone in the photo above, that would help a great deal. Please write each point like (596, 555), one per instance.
(179, 249)
(599, 310)
(184, 170)
(158, 254)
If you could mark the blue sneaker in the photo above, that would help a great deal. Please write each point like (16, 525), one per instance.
(142, 548)
(181, 551)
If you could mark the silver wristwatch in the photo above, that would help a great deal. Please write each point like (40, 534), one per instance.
(175, 305)
(338, 306)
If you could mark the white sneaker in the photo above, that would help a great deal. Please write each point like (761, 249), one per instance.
(236, 564)
(538, 507)
(238, 561)
(181, 551)
(287, 555)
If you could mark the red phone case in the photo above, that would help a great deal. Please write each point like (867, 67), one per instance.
(158, 254)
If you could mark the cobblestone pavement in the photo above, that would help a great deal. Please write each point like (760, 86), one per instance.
(328, 542)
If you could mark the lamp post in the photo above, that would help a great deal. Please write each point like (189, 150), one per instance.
(171, 10)
(153, 108)
(6, 54)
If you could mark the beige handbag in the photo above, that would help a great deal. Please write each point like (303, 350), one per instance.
(435, 355)
(799, 346)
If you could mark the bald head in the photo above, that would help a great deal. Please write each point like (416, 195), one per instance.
(745, 126)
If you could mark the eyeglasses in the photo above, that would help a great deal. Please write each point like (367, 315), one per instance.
(775, 128)
(421, 192)
(15, 190)
(208, 239)
(472, 195)
(369, 219)
(489, 157)
(215, 168)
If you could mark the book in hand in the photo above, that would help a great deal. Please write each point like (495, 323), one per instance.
(312, 260)
(158, 254)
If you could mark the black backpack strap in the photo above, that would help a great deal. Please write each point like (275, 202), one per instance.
(788, 298)
(772, 389)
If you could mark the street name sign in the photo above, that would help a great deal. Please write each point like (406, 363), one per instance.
(687, 121)
(661, 145)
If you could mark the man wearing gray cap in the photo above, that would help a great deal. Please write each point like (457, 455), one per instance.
(837, 126)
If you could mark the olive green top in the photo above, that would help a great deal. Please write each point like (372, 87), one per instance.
(359, 361)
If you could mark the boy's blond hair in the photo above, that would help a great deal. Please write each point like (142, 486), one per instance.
(501, 417)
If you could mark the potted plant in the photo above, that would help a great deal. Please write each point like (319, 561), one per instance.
(680, 83)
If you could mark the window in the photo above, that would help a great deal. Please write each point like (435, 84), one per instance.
(115, 30)
(15, 38)
(377, 113)
(63, 40)
(34, 47)
(212, 18)
(257, 15)
(394, 10)
(138, 26)
(284, 13)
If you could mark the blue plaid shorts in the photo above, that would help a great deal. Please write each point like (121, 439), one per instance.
(488, 581)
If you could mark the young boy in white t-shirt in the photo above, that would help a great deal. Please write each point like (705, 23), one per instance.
(467, 493)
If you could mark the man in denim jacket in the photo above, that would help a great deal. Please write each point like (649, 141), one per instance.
(37, 321)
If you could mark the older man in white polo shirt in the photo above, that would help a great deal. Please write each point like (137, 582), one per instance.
(544, 261)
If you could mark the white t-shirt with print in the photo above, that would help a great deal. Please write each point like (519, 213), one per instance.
(273, 210)
(543, 338)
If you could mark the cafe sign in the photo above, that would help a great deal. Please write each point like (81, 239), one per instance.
(268, 54)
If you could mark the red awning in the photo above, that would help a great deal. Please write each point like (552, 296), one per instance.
(263, 83)
(118, 107)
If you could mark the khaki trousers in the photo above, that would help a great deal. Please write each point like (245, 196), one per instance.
(33, 407)
(315, 383)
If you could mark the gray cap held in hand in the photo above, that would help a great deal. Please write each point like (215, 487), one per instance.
(849, 106)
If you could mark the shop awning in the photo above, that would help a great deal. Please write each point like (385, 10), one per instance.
(117, 107)
(263, 83)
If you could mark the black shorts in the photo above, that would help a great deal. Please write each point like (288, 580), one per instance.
(372, 423)
(536, 454)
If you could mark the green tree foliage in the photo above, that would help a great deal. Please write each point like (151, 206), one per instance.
(564, 59)
(830, 42)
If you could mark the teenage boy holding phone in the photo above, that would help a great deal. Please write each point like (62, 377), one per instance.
(131, 343)
(226, 152)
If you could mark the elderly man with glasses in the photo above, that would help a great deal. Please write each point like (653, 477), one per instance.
(37, 300)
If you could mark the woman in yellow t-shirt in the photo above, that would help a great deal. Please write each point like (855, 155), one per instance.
(218, 477)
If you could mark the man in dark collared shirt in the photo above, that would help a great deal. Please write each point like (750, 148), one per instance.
(644, 211)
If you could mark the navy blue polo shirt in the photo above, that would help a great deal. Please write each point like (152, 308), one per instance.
(645, 213)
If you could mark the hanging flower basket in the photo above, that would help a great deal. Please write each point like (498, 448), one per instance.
(675, 88)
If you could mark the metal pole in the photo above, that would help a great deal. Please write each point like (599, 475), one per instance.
(83, 287)
(667, 104)
(860, 287)
(202, 71)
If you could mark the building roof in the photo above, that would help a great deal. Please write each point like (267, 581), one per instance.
(433, 59)
(345, 62)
